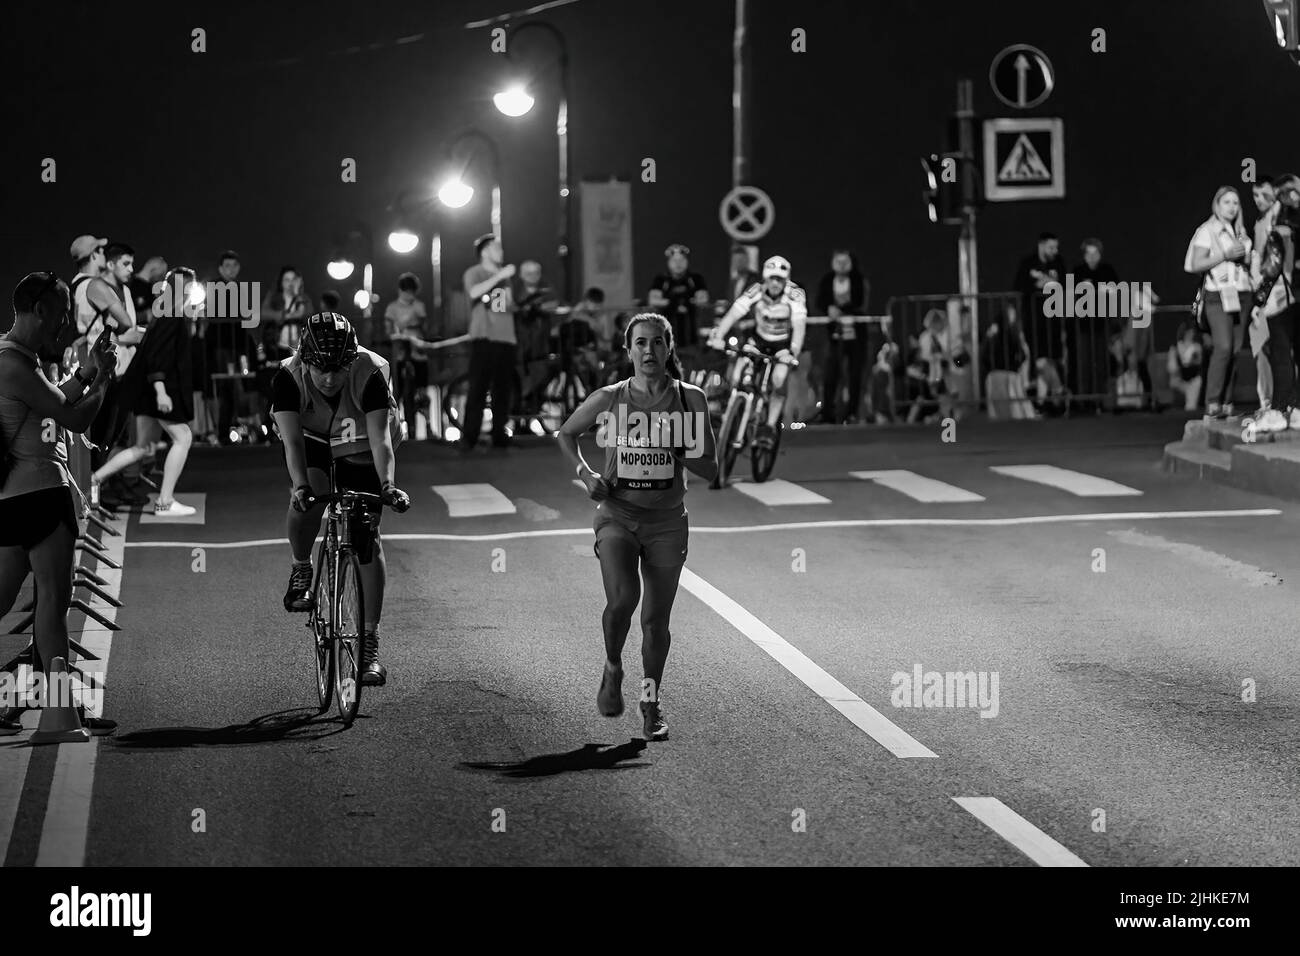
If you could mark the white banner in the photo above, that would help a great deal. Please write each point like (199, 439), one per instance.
(607, 239)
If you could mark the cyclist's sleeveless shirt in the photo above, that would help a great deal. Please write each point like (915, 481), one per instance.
(643, 474)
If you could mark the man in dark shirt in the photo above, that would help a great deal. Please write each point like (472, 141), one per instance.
(1043, 265)
(1100, 359)
(677, 294)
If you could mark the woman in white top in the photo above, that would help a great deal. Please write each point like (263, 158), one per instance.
(1220, 251)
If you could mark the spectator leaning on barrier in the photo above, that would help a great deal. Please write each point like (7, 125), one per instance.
(1266, 204)
(158, 390)
(283, 312)
(224, 344)
(1004, 358)
(1040, 267)
(404, 320)
(1185, 359)
(1108, 337)
(842, 293)
(1273, 305)
(109, 294)
(40, 505)
(740, 278)
(677, 294)
(492, 343)
(535, 303)
(1219, 252)
(88, 254)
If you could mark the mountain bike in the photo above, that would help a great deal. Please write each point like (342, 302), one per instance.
(746, 412)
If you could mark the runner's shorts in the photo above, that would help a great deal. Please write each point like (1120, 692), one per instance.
(659, 537)
(27, 520)
(351, 477)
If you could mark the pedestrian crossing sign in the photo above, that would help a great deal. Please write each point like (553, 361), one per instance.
(1024, 159)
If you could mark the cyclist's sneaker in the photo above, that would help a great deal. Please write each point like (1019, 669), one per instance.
(765, 437)
(98, 726)
(653, 723)
(299, 596)
(373, 673)
(1271, 420)
(609, 701)
(1293, 419)
(173, 509)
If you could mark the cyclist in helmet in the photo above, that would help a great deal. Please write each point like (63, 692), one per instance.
(780, 311)
(332, 401)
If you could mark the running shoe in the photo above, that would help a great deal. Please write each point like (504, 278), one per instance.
(1271, 420)
(299, 596)
(1293, 419)
(373, 673)
(173, 509)
(609, 700)
(653, 724)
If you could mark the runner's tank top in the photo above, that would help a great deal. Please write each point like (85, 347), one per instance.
(640, 467)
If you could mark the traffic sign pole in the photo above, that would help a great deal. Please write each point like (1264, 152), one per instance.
(968, 281)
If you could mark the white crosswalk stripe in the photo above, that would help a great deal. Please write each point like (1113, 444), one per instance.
(779, 492)
(918, 487)
(474, 500)
(1075, 482)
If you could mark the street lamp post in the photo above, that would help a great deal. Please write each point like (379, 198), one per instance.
(457, 194)
(562, 136)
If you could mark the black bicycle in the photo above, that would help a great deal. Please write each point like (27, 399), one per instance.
(338, 614)
(746, 412)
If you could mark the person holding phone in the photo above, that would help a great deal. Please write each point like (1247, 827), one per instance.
(40, 504)
(1220, 252)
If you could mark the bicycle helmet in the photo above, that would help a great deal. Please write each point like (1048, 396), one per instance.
(776, 266)
(328, 342)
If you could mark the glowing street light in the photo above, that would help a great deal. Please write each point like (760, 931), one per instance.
(402, 241)
(513, 101)
(362, 299)
(340, 269)
(455, 193)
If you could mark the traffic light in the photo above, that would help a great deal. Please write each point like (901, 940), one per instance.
(1282, 19)
(942, 193)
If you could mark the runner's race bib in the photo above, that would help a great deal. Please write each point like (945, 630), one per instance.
(645, 469)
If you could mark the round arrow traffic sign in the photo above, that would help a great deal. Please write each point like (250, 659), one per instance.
(747, 213)
(1022, 76)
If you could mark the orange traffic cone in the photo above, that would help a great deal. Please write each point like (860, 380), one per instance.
(60, 722)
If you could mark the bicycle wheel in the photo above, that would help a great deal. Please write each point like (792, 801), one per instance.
(349, 620)
(322, 616)
(762, 460)
(729, 441)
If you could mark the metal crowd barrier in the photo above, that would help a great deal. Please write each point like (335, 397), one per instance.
(1009, 365)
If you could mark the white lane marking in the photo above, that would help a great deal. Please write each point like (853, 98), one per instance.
(198, 501)
(1018, 831)
(13, 774)
(1248, 574)
(1075, 482)
(918, 487)
(778, 492)
(865, 717)
(471, 501)
(780, 526)
(66, 826)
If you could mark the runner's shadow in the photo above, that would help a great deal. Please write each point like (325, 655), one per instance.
(298, 724)
(586, 757)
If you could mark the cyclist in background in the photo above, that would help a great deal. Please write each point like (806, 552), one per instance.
(332, 400)
(780, 323)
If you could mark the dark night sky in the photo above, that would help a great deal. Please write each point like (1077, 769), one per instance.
(184, 154)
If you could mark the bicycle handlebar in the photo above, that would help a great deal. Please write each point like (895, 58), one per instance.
(341, 495)
(752, 352)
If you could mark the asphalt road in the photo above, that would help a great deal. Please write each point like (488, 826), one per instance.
(1114, 629)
